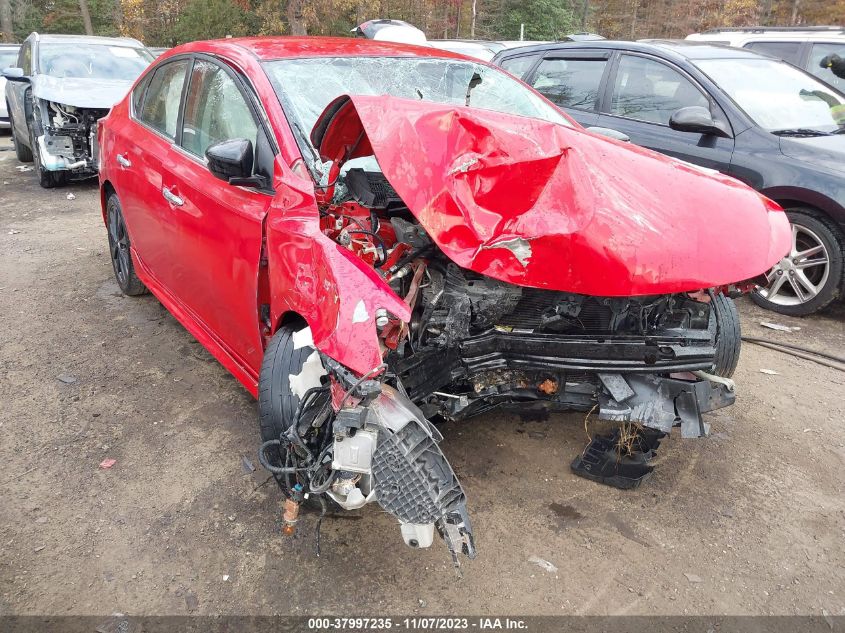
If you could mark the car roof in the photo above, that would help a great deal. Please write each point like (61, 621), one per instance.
(282, 47)
(87, 39)
(671, 49)
(739, 37)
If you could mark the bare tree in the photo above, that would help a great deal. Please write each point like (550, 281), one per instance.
(296, 20)
(6, 20)
(86, 17)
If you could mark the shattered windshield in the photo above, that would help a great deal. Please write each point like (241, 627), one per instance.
(92, 61)
(306, 86)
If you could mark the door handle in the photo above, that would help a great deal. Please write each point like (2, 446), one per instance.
(124, 162)
(171, 197)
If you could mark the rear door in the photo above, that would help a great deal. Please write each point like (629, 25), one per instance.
(140, 151)
(644, 92)
(573, 80)
(218, 227)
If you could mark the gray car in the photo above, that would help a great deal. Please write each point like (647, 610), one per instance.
(58, 90)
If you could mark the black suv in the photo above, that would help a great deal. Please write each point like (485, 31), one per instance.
(753, 117)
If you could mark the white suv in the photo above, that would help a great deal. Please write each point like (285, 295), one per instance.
(804, 47)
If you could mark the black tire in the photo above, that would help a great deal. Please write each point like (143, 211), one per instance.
(276, 402)
(47, 179)
(119, 250)
(22, 152)
(728, 336)
(832, 240)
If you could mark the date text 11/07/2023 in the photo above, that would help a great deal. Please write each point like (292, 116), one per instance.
(417, 624)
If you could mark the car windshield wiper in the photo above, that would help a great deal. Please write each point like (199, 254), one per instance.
(800, 131)
(839, 131)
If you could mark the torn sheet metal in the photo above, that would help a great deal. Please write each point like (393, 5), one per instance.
(661, 403)
(601, 218)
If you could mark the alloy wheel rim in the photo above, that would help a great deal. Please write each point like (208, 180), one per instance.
(800, 276)
(118, 245)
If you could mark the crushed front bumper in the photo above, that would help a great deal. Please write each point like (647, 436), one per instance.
(660, 403)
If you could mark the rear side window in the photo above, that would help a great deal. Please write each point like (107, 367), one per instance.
(160, 108)
(819, 52)
(787, 51)
(570, 83)
(651, 91)
(519, 66)
(215, 110)
(138, 94)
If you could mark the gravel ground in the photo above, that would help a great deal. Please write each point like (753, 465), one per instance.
(749, 521)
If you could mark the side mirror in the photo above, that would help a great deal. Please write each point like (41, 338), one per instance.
(696, 119)
(15, 74)
(616, 135)
(231, 161)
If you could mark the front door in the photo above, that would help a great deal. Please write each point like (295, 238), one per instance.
(645, 93)
(217, 240)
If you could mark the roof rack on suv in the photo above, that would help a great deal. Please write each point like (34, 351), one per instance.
(769, 29)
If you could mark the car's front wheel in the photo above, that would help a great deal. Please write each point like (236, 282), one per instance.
(728, 336)
(22, 152)
(810, 276)
(119, 245)
(47, 179)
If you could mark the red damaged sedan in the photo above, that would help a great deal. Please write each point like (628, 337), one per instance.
(370, 236)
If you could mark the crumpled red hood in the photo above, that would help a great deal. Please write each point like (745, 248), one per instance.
(543, 205)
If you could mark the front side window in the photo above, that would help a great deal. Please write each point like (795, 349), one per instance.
(776, 95)
(92, 61)
(787, 51)
(160, 108)
(648, 90)
(819, 52)
(570, 83)
(215, 110)
(519, 66)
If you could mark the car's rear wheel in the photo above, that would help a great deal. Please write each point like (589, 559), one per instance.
(728, 336)
(22, 152)
(810, 276)
(47, 179)
(119, 250)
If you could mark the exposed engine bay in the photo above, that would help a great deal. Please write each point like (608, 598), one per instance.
(473, 344)
(67, 138)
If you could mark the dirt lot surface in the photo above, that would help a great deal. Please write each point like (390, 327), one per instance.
(749, 521)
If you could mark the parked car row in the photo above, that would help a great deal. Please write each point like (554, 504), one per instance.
(370, 236)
